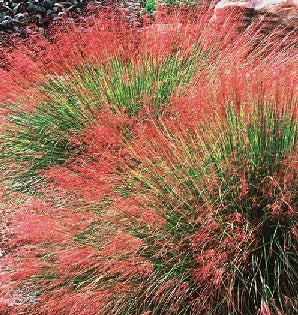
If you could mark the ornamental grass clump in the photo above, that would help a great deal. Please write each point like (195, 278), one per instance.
(166, 175)
(63, 81)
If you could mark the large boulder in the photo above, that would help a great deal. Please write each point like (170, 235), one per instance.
(270, 13)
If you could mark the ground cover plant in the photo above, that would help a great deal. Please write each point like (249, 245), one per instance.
(150, 169)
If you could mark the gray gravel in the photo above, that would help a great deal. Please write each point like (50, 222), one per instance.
(17, 16)
(25, 17)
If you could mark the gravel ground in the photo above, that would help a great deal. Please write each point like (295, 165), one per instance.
(22, 18)
(17, 16)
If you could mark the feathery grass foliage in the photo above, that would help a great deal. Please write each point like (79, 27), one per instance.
(166, 175)
(41, 136)
(236, 168)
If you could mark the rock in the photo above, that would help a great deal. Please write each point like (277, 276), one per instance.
(65, 4)
(48, 4)
(16, 8)
(61, 14)
(71, 8)
(270, 13)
